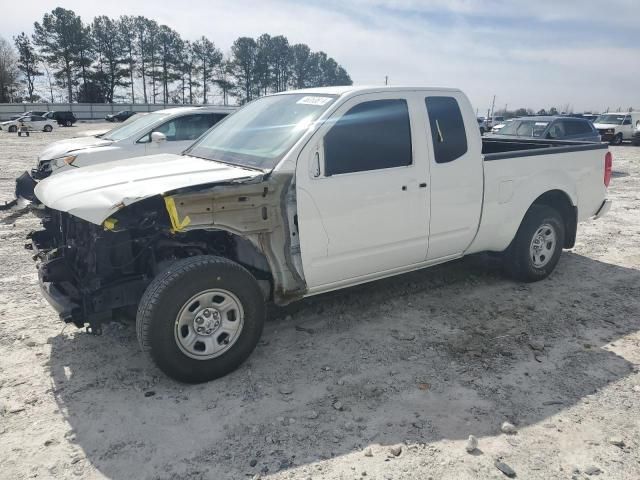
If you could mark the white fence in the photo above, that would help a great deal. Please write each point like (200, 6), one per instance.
(82, 111)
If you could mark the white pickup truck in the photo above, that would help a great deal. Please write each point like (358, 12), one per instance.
(298, 194)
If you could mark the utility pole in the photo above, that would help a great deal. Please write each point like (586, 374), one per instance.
(493, 104)
(386, 80)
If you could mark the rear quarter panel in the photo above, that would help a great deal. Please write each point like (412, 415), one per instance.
(513, 184)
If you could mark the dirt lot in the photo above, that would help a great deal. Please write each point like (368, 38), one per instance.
(382, 381)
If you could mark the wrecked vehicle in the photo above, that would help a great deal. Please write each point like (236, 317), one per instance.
(163, 131)
(297, 194)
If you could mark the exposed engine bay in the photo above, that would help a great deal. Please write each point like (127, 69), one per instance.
(90, 271)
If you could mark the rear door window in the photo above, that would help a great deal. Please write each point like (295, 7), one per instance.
(577, 127)
(370, 136)
(447, 128)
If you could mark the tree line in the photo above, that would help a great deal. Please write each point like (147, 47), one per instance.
(135, 59)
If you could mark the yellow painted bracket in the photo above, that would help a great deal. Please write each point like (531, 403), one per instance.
(110, 223)
(176, 224)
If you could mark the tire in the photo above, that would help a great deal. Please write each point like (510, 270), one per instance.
(68, 123)
(12, 129)
(528, 258)
(617, 140)
(178, 297)
(48, 128)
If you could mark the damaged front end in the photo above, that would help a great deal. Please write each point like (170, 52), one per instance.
(87, 271)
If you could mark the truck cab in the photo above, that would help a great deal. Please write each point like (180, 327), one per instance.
(297, 194)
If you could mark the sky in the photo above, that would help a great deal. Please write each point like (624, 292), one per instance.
(528, 53)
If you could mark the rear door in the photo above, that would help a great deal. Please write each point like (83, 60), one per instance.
(362, 191)
(456, 174)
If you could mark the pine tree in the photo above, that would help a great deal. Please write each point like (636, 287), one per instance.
(28, 62)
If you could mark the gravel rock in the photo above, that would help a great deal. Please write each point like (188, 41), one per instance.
(506, 469)
(592, 470)
(536, 345)
(368, 452)
(396, 450)
(338, 405)
(253, 463)
(617, 441)
(472, 444)
(285, 389)
(312, 414)
(508, 428)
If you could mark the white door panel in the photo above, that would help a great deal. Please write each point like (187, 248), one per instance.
(358, 223)
(456, 187)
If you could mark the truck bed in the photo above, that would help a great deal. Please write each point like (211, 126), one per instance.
(497, 148)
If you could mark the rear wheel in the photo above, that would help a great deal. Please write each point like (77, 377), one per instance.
(68, 123)
(536, 249)
(201, 318)
(617, 140)
(13, 129)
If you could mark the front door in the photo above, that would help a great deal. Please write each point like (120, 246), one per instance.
(362, 191)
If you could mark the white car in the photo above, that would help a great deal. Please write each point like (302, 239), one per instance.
(34, 123)
(617, 127)
(297, 194)
(164, 131)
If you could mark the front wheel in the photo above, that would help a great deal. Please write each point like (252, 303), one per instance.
(201, 318)
(536, 249)
(68, 123)
(48, 128)
(13, 129)
(617, 140)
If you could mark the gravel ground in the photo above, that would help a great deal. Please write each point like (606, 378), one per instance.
(382, 381)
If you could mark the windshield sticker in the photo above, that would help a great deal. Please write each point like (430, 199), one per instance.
(318, 101)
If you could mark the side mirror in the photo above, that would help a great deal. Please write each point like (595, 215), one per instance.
(158, 137)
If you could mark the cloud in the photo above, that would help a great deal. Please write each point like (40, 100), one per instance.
(532, 54)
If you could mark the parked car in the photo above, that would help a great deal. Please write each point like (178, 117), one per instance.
(26, 114)
(65, 119)
(617, 127)
(553, 128)
(121, 116)
(495, 120)
(297, 194)
(500, 126)
(34, 123)
(482, 125)
(164, 131)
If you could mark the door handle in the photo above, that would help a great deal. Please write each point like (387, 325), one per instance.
(423, 185)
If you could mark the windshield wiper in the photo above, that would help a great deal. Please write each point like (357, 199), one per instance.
(246, 167)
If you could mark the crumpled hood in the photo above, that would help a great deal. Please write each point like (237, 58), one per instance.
(95, 192)
(62, 147)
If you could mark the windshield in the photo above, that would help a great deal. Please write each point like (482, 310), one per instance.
(261, 133)
(610, 119)
(133, 125)
(524, 128)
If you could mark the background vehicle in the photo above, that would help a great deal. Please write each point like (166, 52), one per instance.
(297, 194)
(26, 114)
(65, 119)
(170, 131)
(482, 124)
(555, 128)
(121, 116)
(500, 126)
(617, 127)
(33, 122)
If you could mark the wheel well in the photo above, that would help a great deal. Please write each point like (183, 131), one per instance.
(561, 202)
(236, 248)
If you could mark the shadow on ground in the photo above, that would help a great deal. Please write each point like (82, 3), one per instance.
(436, 354)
